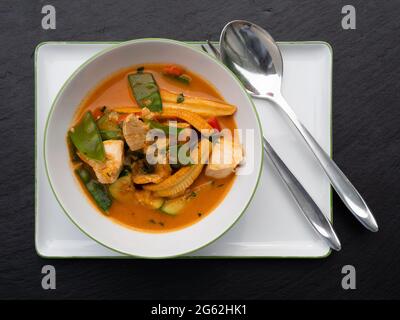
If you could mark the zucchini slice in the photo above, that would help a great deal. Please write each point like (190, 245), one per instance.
(146, 198)
(174, 206)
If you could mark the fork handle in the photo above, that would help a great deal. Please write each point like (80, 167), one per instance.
(346, 191)
(311, 211)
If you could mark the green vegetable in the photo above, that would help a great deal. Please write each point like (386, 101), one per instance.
(147, 199)
(166, 129)
(100, 194)
(155, 203)
(110, 135)
(123, 189)
(72, 150)
(184, 78)
(87, 139)
(108, 126)
(125, 171)
(84, 175)
(174, 206)
(180, 98)
(97, 190)
(145, 91)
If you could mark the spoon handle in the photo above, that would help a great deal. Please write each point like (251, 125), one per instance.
(310, 209)
(346, 191)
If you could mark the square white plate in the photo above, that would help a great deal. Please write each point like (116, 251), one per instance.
(273, 225)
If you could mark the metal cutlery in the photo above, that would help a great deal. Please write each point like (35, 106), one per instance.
(307, 205)
(252, 54)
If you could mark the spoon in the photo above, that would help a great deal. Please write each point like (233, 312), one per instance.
(252, 54)
(310, 209)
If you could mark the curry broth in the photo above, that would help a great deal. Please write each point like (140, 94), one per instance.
(115, 92)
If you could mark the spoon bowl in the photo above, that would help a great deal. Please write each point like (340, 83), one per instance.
(252, 54)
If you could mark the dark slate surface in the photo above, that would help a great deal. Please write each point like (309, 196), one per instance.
(366, 118)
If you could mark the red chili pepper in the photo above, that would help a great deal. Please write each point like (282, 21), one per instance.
(213, 122)
(173, 70)
(97, 113)
(122, 117)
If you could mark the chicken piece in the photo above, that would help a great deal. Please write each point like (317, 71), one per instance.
(134, 131)
(226, 156)
(109, 170)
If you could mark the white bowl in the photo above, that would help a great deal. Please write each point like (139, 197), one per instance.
(75, 203)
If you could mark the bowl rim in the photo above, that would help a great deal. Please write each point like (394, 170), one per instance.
(94, 57)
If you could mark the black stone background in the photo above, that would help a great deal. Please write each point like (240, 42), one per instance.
(366, 130)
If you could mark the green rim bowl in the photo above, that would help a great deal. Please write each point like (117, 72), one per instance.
(75, 203)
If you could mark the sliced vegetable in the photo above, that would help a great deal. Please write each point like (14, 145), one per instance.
(87, 139)
(72, 150)
(193, 119)
(180, 98)
(123, 189)
(177, 183)
(174, 206)
(201, 110)
(177, 124)
(125, 171)
(99, 194)
(173, 70)
(97, 190)
(161, 172)
(128, 110)
(108, 121)
(108, 126)
(203, 186)
(146, 198)
(122, 117)
(110, 135)
(170, 182)
(167, 129)
(201, 106)
(97, 113)
(184, 78)
(213, 122)
(83, 174)
(185, 183)
(145, 91)
(177, 73)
